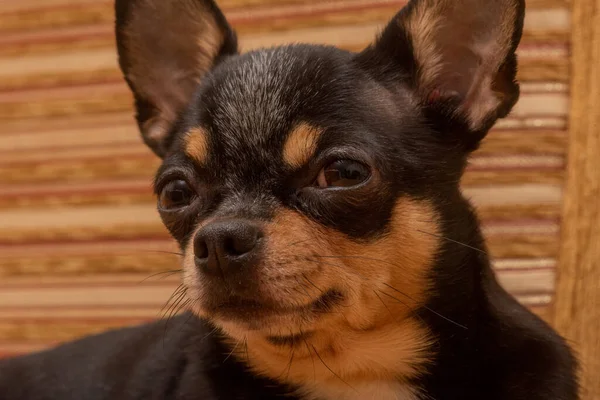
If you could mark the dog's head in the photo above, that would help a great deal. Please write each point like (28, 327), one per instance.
(305, 183)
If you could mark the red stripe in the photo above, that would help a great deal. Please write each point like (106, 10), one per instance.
(150, 280)
(140, 238)
(245, 17)
(109, 80)
(57, 7)
(84, 320)
(124, 245)
(106, 188)
(134, 142)
(516, 168)
(28, 94)
(139, 153)
(523, 269)
(60, 35)
(144, 306)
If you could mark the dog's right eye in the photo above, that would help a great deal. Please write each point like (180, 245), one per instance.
(175, 194)
(342, 174)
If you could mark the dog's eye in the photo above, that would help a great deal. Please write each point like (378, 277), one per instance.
(342, 173)
(175, 194)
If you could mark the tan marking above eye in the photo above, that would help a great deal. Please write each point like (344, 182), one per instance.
(196, 145)
(301, 144)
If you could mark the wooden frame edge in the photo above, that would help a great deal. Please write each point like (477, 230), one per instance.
(576, 312)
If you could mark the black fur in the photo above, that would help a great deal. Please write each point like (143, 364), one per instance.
(144, 363)
(487, 345)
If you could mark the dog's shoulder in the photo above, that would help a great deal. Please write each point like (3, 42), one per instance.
(93, 367)
(183, 357)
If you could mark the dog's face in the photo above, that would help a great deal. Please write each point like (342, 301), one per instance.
(304, 183)
(289, 191)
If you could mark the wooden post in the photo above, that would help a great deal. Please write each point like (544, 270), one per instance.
(577, 306)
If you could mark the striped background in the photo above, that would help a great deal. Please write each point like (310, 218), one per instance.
(78, 230)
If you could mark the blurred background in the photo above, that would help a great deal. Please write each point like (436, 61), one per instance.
(79, 235)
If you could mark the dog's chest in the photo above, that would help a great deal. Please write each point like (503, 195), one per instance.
(380, 390)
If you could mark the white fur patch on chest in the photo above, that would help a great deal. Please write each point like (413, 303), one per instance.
(379, 390)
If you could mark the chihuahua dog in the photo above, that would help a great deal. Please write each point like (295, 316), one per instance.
(327, 250)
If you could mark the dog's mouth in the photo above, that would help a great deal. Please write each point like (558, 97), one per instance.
(248, 310)
(290, 340)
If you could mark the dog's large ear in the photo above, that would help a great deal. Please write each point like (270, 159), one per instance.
(165, 48)
(458, 56)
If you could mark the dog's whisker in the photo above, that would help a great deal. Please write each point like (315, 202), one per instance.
(330, 370)
(453, 241)
(167, 320)
(397, 299)
(164, 252)
(408, 307)
(171, 301)
(310, 354)
(246, 348)
(212, 332)
(190, 317)
(174, 305)
(289, 368)
(302, 286)
(288, 365)
(297, 243)
(393, 288)
(429, 309)
(177, 290)
(177, 304)
(167, 273)
(232, 351)
(312, 284)
(173, 308)
(382, 302)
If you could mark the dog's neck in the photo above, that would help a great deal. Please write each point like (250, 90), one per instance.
(345, 363)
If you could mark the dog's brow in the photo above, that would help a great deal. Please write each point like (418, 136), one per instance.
(196, 145)
(301, 144)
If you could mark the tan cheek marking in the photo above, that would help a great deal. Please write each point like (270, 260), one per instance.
(409, 249)
(301, 144)
(196, 145)
(374, 337)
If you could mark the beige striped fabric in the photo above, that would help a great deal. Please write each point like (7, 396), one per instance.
(79, 235)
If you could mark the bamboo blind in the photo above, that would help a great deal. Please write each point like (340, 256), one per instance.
(79, 232)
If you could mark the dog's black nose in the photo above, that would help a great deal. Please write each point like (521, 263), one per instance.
(223, 247)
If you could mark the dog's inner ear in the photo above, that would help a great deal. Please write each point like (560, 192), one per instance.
(461, 54)
(165, 49)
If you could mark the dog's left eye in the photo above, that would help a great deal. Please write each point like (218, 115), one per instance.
(342, 173)
(175, 194)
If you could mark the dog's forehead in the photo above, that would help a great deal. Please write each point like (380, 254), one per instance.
(256, 97)
(266, 106)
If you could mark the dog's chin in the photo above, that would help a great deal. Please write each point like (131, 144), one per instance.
(260, 315)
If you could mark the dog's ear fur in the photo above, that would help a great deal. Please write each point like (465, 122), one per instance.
(458, 56)
(165, 49)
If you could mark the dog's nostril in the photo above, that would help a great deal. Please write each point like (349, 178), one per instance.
(201, 249)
